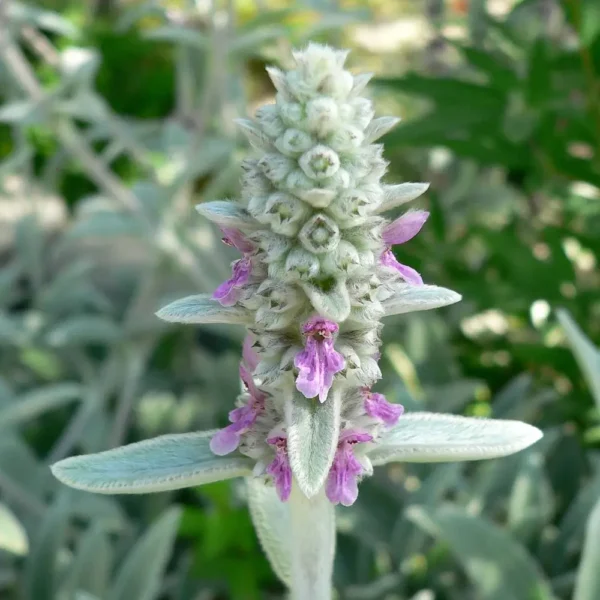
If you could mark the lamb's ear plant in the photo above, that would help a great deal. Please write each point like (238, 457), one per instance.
(316, 276)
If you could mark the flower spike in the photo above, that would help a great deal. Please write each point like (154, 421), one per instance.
(316, 275)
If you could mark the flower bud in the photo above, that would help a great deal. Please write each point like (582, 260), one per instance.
(344, 260)
(302, 265)
(269, 120)
(319, 162)
(291, 114)
(275, 167)
(322, 116)
(320, 234)
(284, 213)
(293, 142)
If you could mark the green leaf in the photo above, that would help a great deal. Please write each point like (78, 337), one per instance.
(499, 75)
(227, 214)
(432, 437)
(90, 569)
(449, 92)
(106, 224)
(587, 586)
(141, 574)
(499, 567)
(538, 89)
(40, 569)
(40, 400)
(21, 112)
(23, 14)
(168, 462)
(399, 194)
(313, 430)
(203, 309)
(29, 240)
(587, 355)
(271, 519)
(13, 537)
(572, 526)
(410, 298)
(82, 330)
(530, 505)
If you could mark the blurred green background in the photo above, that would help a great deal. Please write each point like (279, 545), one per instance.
(116, 118)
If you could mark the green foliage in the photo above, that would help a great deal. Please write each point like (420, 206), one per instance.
(102, 164)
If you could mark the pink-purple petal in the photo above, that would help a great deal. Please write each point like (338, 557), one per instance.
(405, 227)
(235, 238)
(248, 380)
(319, 361)
(229, 292)
(407, 273)
(249, 354)
(378, 407)
(342, 482)
(224, 441)
(280, 468)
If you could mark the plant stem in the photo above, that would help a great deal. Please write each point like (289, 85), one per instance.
(312, 545)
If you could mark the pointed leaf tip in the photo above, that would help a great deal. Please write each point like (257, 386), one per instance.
(399, 194)
(202, 309)
(379, 127)
(432, 437)
(227, 214)
(410, 298)
(164, 463)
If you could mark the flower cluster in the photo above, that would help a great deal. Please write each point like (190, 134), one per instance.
(316, 276)
(316, 272)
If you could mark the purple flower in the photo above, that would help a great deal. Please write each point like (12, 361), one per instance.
(407, 273)
(242, 418)
(397, 232)
(229, 292)
(405, 228)
(249, 354)
(233, 237)
(378, 407)
(342, 484)
(280, 469)
(319, 361)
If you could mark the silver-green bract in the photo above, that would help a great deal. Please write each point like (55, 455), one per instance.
(310, 211)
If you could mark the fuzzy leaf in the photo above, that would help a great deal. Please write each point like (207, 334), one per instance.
(313, 429)
(90, 569)
(499, 567)
(227, 214)
(399, 194)
(587, 586)
(40, 568)
(431, 437)
(333, 303)
(168, 462)
(141, 573)
(379, 127)
(13, 537)
(313, 533)
(203, 309)
(587, 355)
(82, 330)
(271, 518)
(38, 401)
(410, 298)
(254, 134)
